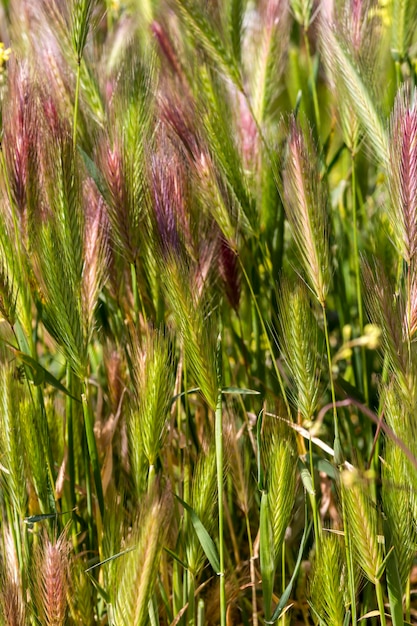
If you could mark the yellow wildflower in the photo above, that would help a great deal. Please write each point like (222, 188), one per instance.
(4, 54)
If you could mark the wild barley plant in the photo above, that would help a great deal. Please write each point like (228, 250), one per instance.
(158, 178)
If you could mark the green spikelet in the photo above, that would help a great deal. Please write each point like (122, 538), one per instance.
(153, 375)
(298, 340)
(362, 523)
(354, 87)
(195, 323)
(279, 454)
(398, 503)
(203, 502)
(50, 579)
(279, 461)
(328, 582)
(404, 19)
(13, 480)
(138, 567)
(306, 207)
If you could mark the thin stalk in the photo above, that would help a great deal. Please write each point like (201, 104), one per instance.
(407, 599)
(398, 73)
(313, 501)
(312, 84)
(89, 494)
(76, 104)
(252, 572)
(282, 619)
(380, 600)
(70, 444)
(137, 296)
(337, 444)
(92, 448)
(268, 342)
(201, 613)
(358, 278)
(191, 599)
(220, 469)
(349, 562)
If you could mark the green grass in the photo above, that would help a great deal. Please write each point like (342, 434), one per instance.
(208, 312)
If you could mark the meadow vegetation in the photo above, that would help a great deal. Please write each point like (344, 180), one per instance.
(208, 312)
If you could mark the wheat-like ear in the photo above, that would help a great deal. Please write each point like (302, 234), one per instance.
(153, 375)
(51, 578)
(402, 173)
(264, 49)
(306, 208)
(13, 479)
(96, 256)
(13, 605)
(328, 581)
(362, 524)
(298, 340)
(196, 324)
(398, 501)
(353, 88)
(279, 460)
(138, 567)
(81, 596)
(404, 20)
(385, 310)
(203, 501)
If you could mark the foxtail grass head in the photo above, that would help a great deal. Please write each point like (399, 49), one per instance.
(306, 208)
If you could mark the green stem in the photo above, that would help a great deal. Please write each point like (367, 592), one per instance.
(312, 84)
(358, 279)
(219, 466)
(277, 372)
(252, 572)
(380, 600)
(349, 561)
(313, 501)
(338, 456)
(92, 448)
(76, 104)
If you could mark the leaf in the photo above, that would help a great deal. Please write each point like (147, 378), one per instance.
(206, 541)
(306, 478)
(110, 558)
(240, 392)
(39, 374)
(176, 558)
(285, 596)
(266, 554)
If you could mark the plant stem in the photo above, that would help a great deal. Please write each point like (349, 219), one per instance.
(337, 445)
(358, 278)
(76, 104)
(268, 342)
(349, 560)
(312, 83)
(380, 600)
(219, 466)
(252, 572)
(92, 448)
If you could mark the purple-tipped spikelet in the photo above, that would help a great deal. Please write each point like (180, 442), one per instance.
(249, 136)
(112, 165)
(96, 250)
(402, 175)
(410, 317)
(169, 193)
(179, 116)
(20, 130)
(229, 272)
(167, 48)
(306, 209)
(51, 580)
